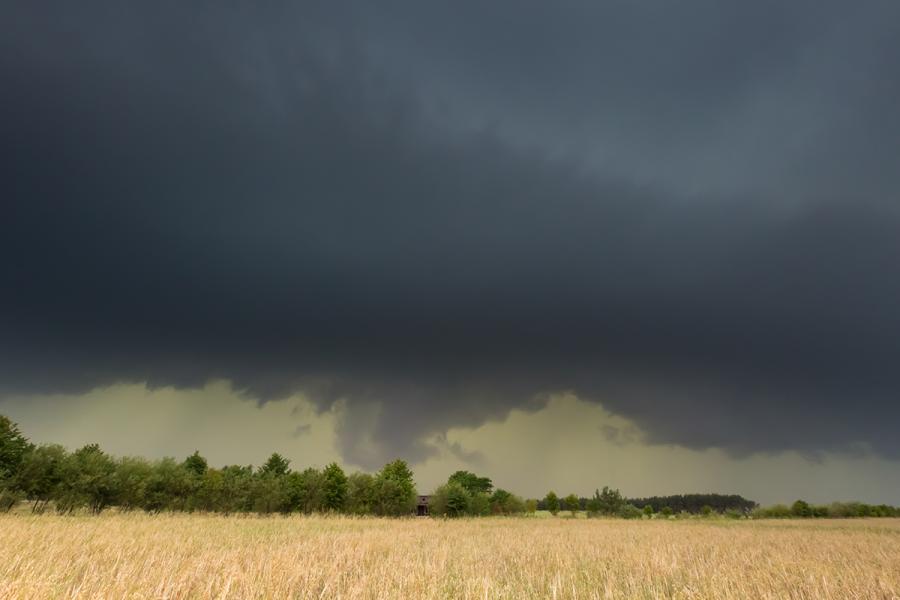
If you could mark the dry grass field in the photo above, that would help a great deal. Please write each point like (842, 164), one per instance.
(185, 556)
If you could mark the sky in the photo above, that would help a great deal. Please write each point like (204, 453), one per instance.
(645, 244)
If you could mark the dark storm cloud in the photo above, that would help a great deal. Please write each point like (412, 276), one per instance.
(685, 211)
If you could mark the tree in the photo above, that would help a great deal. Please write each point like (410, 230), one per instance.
(195, 464)
(131, 478)
(395, 491)
(629, 511)
(706, 510)
(335, 488)
(801, 509)
(167, 487)
(234, 493)
(607, 502)
(666, 511)
(208, 494)
(270, 493)
(40, 474)
(572, 503)
(13, 447)
(277, 465)
(306, 490)
(531, 506)
(648, 510)
(450, 500)
(471, 482)
(551, 501)
(503, 502)
(693, 503)
(360, 494)
(86, 480)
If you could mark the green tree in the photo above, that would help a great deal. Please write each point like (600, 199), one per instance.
(648, 510)
(234, 493)
(572, 503)
(13, 447)
(277, 465)
(360, 494)
(666, 511)
(395, 490)
(606, 502)
(335, 488)
(168, 486)
(269, 493)
(449, 500)
(209, 491)
(471, 482)
(195, 464)
(629, 511)
(131, 478)
(801, 509)
(306, 491)
(531, 506)
(551, 502)
(503, 502)
(86, 481)
(706, 510)
(40, 474)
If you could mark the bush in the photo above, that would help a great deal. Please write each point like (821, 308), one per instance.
(449, 500)
(551, 501)
(801, 509)
(629, 511)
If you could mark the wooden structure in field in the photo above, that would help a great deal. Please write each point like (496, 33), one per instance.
(422, 506)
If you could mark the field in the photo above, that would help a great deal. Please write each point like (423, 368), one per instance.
(190, 556)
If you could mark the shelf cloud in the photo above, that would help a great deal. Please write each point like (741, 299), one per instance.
(431, 217)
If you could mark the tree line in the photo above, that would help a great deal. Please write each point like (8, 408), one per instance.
(90, 479)
(49, 476)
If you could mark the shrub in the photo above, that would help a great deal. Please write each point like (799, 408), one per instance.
(629, 511)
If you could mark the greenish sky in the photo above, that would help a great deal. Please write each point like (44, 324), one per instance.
(568, 445)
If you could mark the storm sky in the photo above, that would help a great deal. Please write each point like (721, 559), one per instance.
(415, 221)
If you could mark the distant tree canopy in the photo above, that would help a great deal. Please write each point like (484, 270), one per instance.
(467, 494)
(694, 503)
(47, 476)
(13, 448)
(471, 482)
(551, 502)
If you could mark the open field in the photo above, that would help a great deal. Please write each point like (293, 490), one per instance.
(190, 556)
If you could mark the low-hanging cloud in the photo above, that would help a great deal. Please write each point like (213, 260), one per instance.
(696, 225)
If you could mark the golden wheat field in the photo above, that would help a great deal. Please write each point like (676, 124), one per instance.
(191, 556)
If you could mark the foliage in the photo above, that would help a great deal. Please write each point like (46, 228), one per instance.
(13, 448)
(334, 488)
(503, 502)
(195, 464)
(629, 511)
(89, 479)
(572, 503)
(450, 500)
(360, 494)
(395, 491)
(551, 502)
(801, 508)
(276, 465)
(471, 482)
(607, 502)
(86, 481)
(694, 503)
